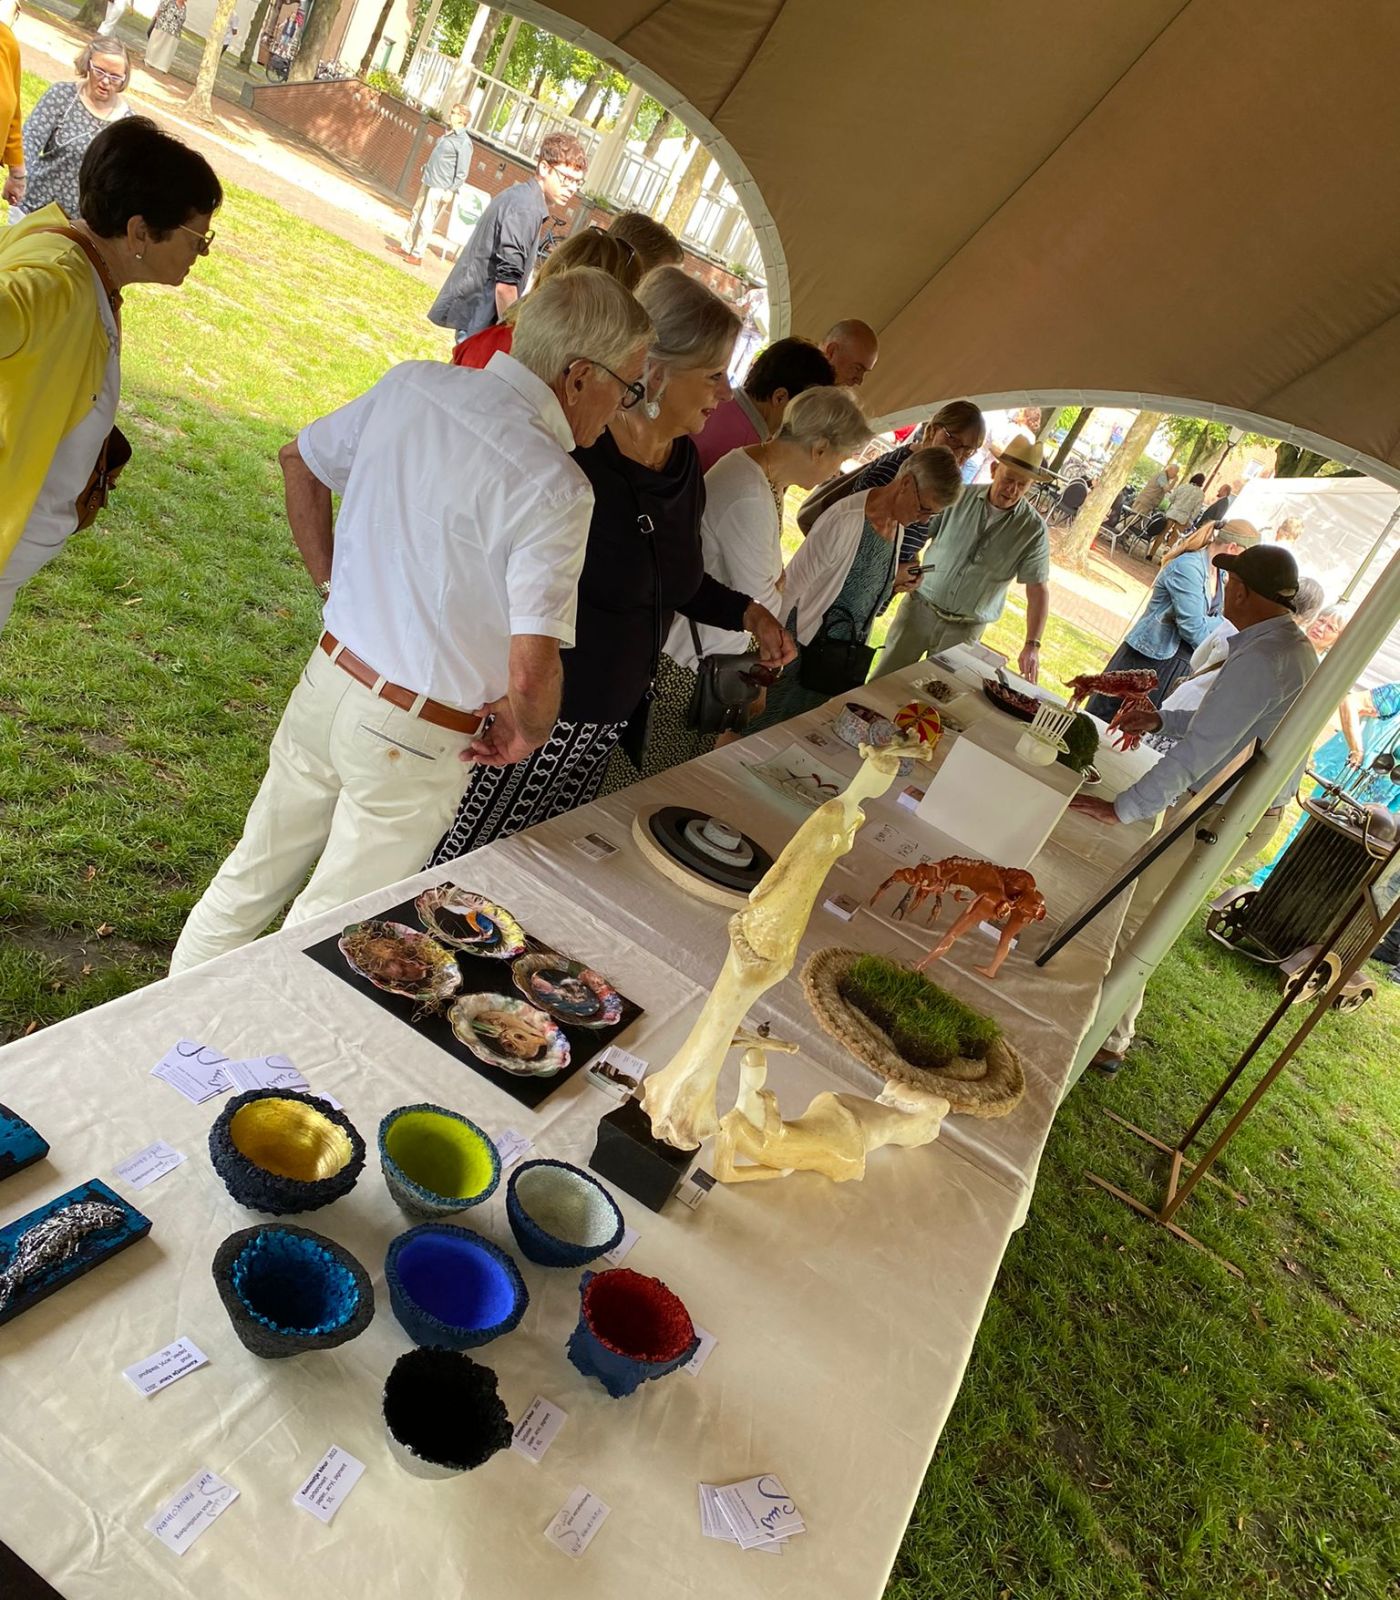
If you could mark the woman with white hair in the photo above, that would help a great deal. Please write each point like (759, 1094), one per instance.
(643, 564)
(742, 535)
(844, 574)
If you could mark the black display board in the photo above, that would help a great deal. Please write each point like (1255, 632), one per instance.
(480, 975)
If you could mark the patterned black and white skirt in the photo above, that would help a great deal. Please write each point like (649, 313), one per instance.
(563, 773)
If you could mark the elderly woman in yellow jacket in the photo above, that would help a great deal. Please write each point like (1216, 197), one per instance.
(147, 201)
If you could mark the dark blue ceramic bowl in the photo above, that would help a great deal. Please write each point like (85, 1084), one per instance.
(451, 1288)
(288, 1290)
(560, 1216)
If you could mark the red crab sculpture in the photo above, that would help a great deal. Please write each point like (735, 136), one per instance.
(1132, 686)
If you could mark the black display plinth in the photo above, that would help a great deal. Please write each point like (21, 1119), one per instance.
(628, 1154)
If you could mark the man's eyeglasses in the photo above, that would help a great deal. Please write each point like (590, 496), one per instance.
(205, 239)
(113, 80)
(569, 177)
(632, 393)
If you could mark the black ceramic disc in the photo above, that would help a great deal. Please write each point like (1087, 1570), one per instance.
(667, 827)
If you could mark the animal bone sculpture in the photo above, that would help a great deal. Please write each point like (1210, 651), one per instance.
(763, 940)
(1131, 685)
(834, 1134)
(1005, 895)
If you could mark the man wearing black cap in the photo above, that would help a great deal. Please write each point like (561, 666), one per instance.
(1268, 663)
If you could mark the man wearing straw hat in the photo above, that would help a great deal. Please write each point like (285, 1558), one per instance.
(988, 540)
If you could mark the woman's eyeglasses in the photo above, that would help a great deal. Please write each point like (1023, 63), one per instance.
(205, 239)
(113, 80)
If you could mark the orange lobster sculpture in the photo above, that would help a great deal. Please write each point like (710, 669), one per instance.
(1006, 895)
(1131, 685)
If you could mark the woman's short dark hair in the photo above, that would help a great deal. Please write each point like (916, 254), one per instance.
(133, 169)
(1199, 479)
(791, 364)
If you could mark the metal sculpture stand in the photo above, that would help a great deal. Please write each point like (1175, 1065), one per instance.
(1380, 901)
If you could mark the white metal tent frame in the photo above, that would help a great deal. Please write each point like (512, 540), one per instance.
(1292, 739)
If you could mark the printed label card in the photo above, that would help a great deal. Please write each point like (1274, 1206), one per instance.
(574, 1527)
(192, 1511)
(331, 1480)
(159, 1371)
(538, 1428)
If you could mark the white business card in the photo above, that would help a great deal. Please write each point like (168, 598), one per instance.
(149, 1164)
(844, 906)
(759, 1510)
(909, 797)
(702, 1355)
(331, 1480)
(714, 1525)
(196, 1070)
(695, 1188)
(265, 1072)
(575, 1525)
(537, 1429)
(511, 1146)
(595, 847)
(193, 1509)
(617, 1072)
(620, 1251)
(159, 1371)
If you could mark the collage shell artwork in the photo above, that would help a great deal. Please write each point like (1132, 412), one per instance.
(567, 990)
(400, 960)
(464, 920)
(507, 1033)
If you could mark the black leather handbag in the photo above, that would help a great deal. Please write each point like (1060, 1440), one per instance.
(834, 665)
(726, 689)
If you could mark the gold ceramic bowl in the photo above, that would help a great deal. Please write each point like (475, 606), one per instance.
(291, 1139)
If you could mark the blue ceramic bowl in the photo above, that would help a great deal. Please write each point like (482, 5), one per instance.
(560, 1216)
(288, 1290)
(451, 1288)
(436, 1162)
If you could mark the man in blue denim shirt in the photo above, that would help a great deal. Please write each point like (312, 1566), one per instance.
(1182, 612)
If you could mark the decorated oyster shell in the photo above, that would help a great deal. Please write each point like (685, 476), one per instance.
(463, 920)
(400, 960)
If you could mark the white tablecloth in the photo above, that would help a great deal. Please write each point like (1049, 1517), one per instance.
(844, 1321)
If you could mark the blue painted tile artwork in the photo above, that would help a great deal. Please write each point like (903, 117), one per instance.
(60, 1241)
(20, 1145)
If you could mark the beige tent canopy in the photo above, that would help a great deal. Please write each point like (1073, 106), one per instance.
(1182, 201)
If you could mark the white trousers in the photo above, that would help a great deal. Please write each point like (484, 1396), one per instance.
(354, 785)
(24, 561)
(422, 224)
(1152, 885)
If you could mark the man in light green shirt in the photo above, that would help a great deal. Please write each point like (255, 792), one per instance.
(988, 540)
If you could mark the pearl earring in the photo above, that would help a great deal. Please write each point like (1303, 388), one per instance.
(140, 255)
(652, 408)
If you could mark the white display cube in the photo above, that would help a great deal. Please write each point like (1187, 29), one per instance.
(997, 806)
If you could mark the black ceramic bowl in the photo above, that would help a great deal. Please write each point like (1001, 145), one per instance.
(288, 1290)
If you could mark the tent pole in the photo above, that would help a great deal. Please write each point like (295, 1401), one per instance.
(1252, 796)
(1370, 556)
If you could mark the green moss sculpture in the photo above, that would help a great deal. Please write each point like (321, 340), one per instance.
(1082, 737)
(927, 1025)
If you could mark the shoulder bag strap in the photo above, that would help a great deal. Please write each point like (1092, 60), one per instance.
(99, 266)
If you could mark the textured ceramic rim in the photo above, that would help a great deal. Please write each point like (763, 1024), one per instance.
(491, 1411)
(662, 1297)
(447, 975)
(609, 1000)
(429, 1197)
(989, 1088)
(253, 1330)
(556, 1251)
(449, 1335)
(241, 1175)
(556, 1054)
(512, 941)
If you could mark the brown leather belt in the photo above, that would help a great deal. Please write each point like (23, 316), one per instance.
(430, 710)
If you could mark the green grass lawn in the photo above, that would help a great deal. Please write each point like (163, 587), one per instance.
(1134, 1421)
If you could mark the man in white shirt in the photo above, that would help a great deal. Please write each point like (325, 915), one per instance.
(451, 578)
(1269, 661)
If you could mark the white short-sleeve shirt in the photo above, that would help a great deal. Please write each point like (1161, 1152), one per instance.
(463, 521)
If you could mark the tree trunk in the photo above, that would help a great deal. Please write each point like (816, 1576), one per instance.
(1073, 545)
(1068, 442)
(201, 100)
(579, 109)
(1292, 461)
(657, 134)
(92, 13)
(367, 60)
(602, 110)
(310, 53)
(537, 87)
(692, 181)
(486, 38)
(248, 54)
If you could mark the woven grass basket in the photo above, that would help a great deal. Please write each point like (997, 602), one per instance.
(989, 1088)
